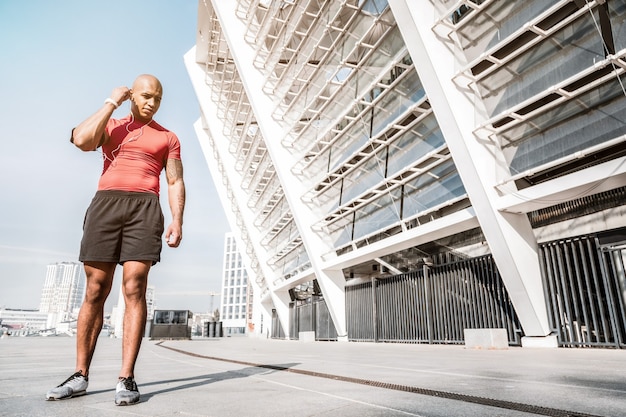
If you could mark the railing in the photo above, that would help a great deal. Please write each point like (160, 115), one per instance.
(308, 316)
(434, 305)
(584, 281)
(585, 287)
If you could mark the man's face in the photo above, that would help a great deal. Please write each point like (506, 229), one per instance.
(145, 98)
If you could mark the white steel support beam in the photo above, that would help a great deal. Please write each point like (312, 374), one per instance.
(214, 127)
(593, 180)
(332, 282)
(509, 235)
(449, 225)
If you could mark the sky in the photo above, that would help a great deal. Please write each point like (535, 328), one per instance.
(59, 60)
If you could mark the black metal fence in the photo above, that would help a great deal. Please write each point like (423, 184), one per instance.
(308, 315)
(277, 330)
(584, 282)
(585, 287)
(434, 305)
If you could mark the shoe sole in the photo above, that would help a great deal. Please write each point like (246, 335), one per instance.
(76, 394)
(124, 403)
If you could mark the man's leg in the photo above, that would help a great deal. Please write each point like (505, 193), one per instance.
(90, 319)
(91, 315)
(134, 284)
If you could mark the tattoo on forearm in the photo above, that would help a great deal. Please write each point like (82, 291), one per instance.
(174, 170)
(174, 173)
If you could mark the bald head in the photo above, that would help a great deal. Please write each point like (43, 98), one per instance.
(147, 78)
(145, 97)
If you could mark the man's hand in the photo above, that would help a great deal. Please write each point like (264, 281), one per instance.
(120, 94)
(174, 235)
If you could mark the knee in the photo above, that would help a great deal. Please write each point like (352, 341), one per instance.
(135, 281)
(94, 298)
(99, 281)
(96, 292)
(134, 290)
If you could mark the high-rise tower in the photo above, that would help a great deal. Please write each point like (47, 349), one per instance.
(63, 290)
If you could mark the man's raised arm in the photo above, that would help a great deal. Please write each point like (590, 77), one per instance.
(90, 134)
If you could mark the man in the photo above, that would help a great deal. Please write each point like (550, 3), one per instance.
(124, 224)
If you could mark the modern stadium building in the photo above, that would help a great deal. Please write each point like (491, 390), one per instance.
(412, 170)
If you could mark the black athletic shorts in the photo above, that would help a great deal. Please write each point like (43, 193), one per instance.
(122, 226)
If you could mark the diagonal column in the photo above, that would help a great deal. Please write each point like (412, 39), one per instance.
(332, 282)
(510, 236)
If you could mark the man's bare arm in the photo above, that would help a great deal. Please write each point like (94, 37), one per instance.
(176, 198)
(90, 134)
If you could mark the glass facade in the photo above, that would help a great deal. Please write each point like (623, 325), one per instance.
(339, 127)
(541, 71)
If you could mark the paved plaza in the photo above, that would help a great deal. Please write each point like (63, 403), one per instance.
(260, 377)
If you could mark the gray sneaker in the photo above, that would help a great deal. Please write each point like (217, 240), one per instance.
(74, 386)
(126, 392)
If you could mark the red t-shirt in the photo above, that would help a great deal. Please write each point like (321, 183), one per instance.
(136, 154)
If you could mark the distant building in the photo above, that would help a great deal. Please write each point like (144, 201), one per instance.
(17, 322)
(63, 292)
(150, 301)
(198, 324)
(236, 308)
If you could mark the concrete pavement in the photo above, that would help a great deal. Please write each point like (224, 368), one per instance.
(259, 377)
